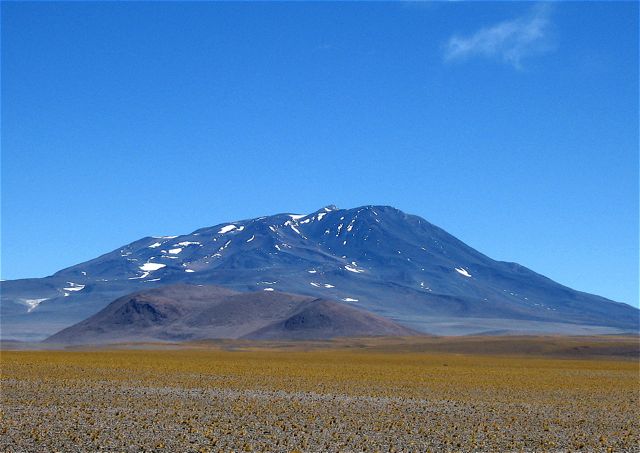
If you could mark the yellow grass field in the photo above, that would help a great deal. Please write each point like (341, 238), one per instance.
(369, 396)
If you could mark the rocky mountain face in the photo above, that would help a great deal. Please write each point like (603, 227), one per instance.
(376, 258)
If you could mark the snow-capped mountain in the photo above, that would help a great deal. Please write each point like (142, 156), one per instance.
(374, 257)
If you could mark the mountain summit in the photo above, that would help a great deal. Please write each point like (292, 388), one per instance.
(376, 258)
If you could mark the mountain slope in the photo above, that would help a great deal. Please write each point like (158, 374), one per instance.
(375, 257)
(187, 312)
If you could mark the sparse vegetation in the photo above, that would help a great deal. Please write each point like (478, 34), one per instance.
(208, 399)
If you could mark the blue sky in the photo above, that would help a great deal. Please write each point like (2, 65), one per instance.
(514, 126)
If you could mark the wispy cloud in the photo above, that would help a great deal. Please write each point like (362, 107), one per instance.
(511, 41)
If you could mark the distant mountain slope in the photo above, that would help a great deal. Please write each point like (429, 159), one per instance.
(186, 312)
(375, 257)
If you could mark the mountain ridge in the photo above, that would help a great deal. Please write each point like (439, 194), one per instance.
(375, 257)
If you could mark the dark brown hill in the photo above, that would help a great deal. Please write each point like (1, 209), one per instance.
(318, 318)
(189, 312)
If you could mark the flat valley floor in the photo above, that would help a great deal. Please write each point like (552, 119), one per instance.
(426, 394)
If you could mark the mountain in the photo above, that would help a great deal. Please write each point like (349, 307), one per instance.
(377, 258)
(188, 312)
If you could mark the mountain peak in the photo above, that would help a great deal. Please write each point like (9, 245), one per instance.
(375, 257)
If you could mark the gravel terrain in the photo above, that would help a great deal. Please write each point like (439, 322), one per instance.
(212, 400)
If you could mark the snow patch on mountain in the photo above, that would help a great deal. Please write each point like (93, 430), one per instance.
(463, 271)
(187, 243)
(150, 267)
(33, 303)
(73, 287)
(226, 229)
(292, 226)
(353, 269)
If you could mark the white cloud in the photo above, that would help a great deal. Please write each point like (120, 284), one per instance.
(510, 41)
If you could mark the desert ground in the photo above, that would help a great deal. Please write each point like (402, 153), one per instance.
(411, 394)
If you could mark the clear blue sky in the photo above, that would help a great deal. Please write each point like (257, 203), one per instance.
(514, 126)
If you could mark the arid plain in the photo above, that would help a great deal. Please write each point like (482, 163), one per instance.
(412, 394)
